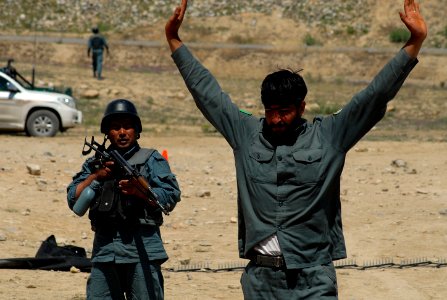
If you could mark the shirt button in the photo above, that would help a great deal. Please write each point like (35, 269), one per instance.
(280, 158)
(281, 203)
(279, 227)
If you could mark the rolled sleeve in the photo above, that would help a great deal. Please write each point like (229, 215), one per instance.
(78, 178)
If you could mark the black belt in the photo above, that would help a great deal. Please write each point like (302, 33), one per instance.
(268, 261)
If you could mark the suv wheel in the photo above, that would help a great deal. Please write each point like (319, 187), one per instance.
(42, 123)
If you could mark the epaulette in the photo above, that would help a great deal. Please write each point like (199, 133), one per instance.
(245, 112)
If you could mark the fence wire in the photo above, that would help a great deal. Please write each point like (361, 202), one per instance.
(385, 263)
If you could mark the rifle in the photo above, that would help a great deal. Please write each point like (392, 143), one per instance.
(126, 169)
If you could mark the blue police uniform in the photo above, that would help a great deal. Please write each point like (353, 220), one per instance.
(292, 191)
(96, 44)
(128, 249)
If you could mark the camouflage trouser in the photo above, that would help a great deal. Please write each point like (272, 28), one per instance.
(317, 282)
(113, 281)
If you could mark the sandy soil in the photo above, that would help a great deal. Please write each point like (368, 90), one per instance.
(389, 213)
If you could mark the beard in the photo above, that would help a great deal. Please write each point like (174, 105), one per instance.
(282, 133)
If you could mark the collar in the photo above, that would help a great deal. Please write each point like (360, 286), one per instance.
(127, 153)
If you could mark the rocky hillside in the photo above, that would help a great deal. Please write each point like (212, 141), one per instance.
(74, 15)
(351, 40)
(322, 21)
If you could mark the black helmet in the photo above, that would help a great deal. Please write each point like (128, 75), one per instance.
(120, 107)
(95, 29)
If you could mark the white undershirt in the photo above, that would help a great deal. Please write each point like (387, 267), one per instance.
(269, 246)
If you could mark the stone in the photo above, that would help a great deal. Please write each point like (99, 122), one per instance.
(74, 270)
(90, 94)
(204, 193)
(33, 169)
(399, 163)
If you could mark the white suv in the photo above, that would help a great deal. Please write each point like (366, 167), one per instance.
(38, 113)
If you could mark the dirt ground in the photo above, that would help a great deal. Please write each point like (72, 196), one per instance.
(389, 212)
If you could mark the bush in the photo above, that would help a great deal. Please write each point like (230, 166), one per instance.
(104, 27)
(309, 40)
(350, 30)
(399, 35)
(239, 39)
(327, 108)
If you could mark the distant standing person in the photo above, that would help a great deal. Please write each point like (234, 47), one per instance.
(96, 44)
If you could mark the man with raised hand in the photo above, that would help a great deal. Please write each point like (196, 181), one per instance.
(288, 169)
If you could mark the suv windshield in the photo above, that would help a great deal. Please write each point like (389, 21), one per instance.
(11, 72)
(3, 84)
(23, 83)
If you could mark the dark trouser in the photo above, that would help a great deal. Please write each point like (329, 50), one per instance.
(125, 281)
(317, 282)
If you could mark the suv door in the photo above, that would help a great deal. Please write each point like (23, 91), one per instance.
(10, 109)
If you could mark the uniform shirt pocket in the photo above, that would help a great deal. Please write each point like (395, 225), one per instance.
(308, 165)
(262, 167)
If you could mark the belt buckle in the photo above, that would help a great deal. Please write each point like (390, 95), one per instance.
(277, 261)
(269, 261)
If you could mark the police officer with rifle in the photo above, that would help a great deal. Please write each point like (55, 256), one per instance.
(127, 189)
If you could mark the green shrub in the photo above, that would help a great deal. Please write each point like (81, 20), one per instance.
(350, 30)
(104, 27)
(239, 39)
(399, 35)
(327, 108)
(208, 129)
(309, 40)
